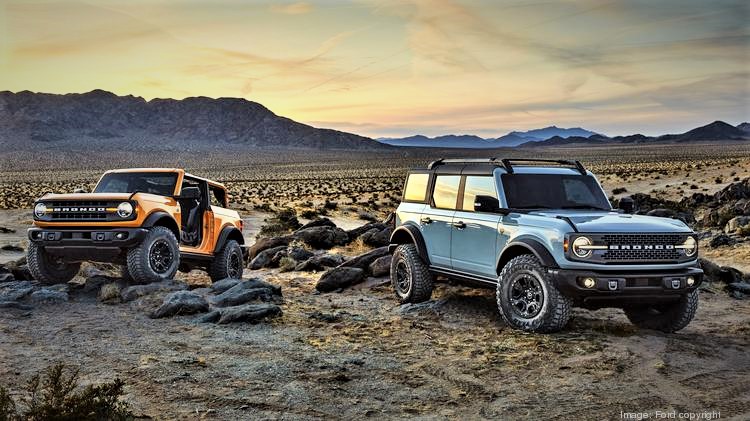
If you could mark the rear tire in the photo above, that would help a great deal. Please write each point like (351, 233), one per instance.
(48, 269)
(227, 263)
(411, 279)
(156, 258)
(668, 317)
(527, 298)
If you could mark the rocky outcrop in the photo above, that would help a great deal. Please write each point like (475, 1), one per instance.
(179, 303)
(249, 313)
(339, 278)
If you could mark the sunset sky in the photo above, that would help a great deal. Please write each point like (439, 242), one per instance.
(390, 68)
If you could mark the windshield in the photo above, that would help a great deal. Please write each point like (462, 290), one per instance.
(161, 183)
(553, 191)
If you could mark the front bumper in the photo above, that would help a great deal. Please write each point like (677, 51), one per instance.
(618, 288)
(87, 238)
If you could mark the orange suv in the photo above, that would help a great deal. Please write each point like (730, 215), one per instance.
(152, 221)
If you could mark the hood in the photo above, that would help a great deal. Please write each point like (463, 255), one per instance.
(86, 196)
(589, 221)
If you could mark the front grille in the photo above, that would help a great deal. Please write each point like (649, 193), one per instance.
(642, 247)
(95, 210)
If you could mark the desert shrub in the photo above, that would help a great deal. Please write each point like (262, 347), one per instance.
(308, 213)
(330, 205)
(56, 395)
(619, 190)
(287, 264)
(283, 222)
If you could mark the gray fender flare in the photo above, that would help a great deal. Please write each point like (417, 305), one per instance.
(409, 234)
(516, 248)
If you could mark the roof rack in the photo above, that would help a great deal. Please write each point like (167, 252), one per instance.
(443, 161)
(508, 163)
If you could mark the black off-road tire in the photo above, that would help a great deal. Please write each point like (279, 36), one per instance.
(667, 317)
(139, 259)
(528, 299)
(227, 263)
(125, 274)
(48, 269)
(410, 277)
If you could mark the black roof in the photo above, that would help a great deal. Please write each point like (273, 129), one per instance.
(487, 166)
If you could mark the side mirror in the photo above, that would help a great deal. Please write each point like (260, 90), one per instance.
(486, 204)
(626, 204)
(80, 190)
(190, 193)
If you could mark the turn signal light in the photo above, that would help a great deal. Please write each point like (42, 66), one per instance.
(690, 281)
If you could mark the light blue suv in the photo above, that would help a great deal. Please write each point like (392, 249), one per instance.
(544, 235)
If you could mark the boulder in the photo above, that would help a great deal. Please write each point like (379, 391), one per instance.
(133, 292)
(19, 269)
(251, 313)
(267, 243)
(15, 290)
(721, 240)
(742, 287)
(181, 302)
(357, 232)
(322, 237)
(381, 266)
(6, 277)
(735, 224)
(15, 305)
(300, 254)
(246, 291)
(48, 296)
(377, 238)
(220, 286)
(716, 273)
(318, 222)
(95, 283)
(320, 262)
(363, 260)
(340, 277)
(11, 247)
(264, 258)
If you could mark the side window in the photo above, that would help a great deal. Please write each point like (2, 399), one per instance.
(477, 186)
(218, 197)
(445, 194)
(416, 187)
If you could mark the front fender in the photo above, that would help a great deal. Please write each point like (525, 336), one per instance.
(530, 244)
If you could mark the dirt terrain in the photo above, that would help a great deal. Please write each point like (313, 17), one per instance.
(357, 353)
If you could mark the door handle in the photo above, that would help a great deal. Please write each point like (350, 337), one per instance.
(426, 220)
(460, 225)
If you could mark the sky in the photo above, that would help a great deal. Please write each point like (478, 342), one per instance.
(385, 68)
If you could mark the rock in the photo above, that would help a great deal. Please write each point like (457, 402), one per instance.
(377, 238)
(6, 277)
(318, 222)
(131, 293)
(735, 224)
(223, 285)
(95, 283)
(742, 287)
(264, 258)
(297, 253)
(721, 240)
(363, 260)
(381, 266)
(323, 237)
(245, 291)
(11, 247)
(716, 273)
(15, 305)
(181, 302)
(19, 269)
(340, 277)
(320, 262)
(48, 296)
(267, 243)
(4, 230)
(109, 294)
(252, 313)
(15, 290)
(357, 232)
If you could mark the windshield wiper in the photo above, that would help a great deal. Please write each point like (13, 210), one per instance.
(533, 207)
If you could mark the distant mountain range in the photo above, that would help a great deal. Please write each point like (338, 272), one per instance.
(475, 142)
(714, 132)
(556, 136)
(100, 119)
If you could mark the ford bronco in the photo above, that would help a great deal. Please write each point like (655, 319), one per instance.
(543, 234)
(151, 221)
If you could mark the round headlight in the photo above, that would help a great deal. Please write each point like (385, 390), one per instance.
(578, 243)
(690, 246)
(124, 209)
(40, 209)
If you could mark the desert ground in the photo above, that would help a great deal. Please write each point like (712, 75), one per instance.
(356, 353)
